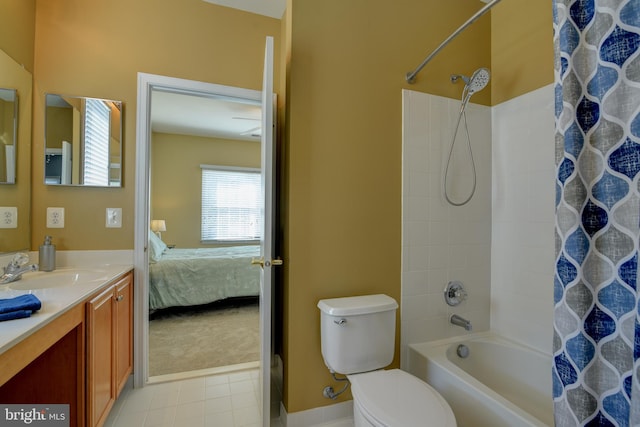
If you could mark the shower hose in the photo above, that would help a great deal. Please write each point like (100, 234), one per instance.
(465, 99)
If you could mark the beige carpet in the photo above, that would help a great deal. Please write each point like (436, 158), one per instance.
(203, 337)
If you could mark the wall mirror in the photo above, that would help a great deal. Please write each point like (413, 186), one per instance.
(8, 135)
(83, 141)
(15, 133)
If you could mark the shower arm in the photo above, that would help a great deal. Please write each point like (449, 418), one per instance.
(411, 76)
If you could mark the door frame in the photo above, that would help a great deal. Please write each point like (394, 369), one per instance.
(147, 83)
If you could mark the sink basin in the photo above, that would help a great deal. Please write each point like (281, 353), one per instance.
(58, 278)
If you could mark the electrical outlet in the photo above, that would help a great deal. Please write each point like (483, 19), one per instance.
(55, 217)
(114, 218)
(9, 217)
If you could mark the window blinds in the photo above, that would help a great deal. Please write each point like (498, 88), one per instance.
(231, 204)
(96, 143)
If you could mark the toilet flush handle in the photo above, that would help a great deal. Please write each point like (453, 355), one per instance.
(340, 322)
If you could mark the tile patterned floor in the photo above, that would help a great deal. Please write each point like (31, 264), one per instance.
(221, 400)
(224, 400)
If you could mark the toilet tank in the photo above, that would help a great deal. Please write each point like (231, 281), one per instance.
(357, 333)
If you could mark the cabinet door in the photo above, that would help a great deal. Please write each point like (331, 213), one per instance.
(124, 331)
(101, 352)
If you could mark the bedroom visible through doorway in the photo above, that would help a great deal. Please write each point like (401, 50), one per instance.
(203, 292)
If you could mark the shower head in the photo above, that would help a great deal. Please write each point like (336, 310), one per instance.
(478, 80)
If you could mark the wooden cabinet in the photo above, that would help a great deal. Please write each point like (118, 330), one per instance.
(109, 347)
(48, 367)
(124, 331)
(83, 357)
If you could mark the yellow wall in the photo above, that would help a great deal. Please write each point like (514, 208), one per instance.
(521, 48)
(58, 126)
(96, 49)
(176, 179)
(17, 30)
(343, 231)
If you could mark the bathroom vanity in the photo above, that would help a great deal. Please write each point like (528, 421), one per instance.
(77, 349)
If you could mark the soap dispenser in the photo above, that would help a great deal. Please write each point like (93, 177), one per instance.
(47, 261)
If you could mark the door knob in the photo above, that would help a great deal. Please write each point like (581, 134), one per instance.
(262, 263)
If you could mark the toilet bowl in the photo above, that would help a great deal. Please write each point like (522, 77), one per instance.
(395, 398)
(358, 339)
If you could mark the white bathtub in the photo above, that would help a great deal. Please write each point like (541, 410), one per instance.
(500, 383)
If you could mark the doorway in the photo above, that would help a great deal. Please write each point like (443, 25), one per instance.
(205, 204)
(148, 85)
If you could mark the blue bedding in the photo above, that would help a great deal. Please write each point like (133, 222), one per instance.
(186, 277)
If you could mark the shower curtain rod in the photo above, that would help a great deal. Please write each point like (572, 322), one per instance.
(411, 76)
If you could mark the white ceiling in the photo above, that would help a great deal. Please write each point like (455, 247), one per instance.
(219, 117)
(272, 8)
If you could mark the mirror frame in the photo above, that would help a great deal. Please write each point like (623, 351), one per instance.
(14, 138)
(71, 163)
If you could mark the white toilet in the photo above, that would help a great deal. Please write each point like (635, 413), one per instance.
(358, 340)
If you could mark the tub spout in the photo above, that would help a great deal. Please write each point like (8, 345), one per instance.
(459, 321)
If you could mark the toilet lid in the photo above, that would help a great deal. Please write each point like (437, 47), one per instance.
(397, 398)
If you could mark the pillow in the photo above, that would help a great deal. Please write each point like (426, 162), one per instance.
(156, 247)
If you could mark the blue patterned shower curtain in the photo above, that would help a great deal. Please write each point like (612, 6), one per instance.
(596, 342)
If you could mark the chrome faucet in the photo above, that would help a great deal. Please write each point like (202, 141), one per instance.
(16, 268)
(459, 321)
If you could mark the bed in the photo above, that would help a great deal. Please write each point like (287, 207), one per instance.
(188, 277)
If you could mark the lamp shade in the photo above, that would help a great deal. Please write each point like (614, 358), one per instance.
(158, 225)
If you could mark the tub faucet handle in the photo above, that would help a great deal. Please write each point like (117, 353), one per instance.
(454, 293)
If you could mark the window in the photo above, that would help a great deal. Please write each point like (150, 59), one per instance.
(231, 204)
(96, 143)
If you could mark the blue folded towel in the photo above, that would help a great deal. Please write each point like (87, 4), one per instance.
(22, 302)
(17, 314)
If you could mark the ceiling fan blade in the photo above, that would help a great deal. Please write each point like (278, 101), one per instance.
(245, 118)
(257, 131)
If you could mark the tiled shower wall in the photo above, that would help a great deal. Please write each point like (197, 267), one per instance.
(442, 242)
(500, 245)
(523, 249)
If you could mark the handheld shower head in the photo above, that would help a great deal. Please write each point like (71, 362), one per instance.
(479, 80)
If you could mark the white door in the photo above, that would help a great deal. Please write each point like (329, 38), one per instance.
(267, 241)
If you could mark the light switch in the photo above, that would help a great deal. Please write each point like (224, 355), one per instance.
(55, 217)
(114, 218)
(8, 217)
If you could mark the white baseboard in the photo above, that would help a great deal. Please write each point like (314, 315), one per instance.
(317, 416)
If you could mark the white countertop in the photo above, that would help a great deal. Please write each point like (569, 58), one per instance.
(55, 300)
